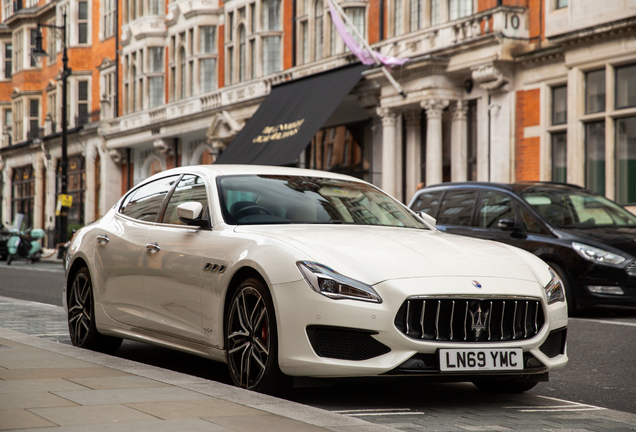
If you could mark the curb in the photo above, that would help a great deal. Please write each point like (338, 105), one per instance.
(270, 404)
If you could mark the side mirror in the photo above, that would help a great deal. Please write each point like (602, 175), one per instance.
(507, 224)
(427, 218)
(190, 214)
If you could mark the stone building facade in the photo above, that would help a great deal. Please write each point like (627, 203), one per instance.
(495, 90)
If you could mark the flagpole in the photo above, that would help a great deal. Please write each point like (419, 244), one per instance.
(386, 72)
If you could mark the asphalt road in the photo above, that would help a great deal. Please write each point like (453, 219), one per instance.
(601, 371)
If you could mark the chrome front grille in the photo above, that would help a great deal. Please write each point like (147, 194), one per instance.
(470, 319)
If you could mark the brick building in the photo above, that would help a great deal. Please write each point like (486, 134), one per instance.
(496, 90)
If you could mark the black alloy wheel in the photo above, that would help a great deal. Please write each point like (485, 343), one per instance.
(81, 317)
(251, 338)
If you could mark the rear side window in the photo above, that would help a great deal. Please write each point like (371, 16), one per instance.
(493, 207)
(457, 207)
(427, 202)
(145, 202)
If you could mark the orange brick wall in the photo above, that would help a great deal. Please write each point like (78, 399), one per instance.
(221, 65)
(527, 150)
(288, 29)
(374, 21)
(537, 19)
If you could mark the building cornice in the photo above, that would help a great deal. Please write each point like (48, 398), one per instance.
(584, 36)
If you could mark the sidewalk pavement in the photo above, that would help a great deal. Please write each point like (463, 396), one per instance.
(48, 386)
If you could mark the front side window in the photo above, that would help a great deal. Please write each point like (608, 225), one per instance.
(493, 207)
(145, 202)
(566, 208)
(626, 87)
(191, 188)
(626, 161)
(595, 92)
(595, 156)
(264, 199)
(457, 208)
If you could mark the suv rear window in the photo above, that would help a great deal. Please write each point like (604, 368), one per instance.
(457, 207)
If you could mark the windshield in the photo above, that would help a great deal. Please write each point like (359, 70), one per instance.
(577, 208)
(260, 199)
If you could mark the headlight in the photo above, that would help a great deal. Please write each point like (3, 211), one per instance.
(598, 256)
(329, 283)
(554, 289)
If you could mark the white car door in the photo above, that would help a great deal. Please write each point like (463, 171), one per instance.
(120, 250)
(173, 267)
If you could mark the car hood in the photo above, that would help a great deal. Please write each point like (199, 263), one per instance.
(374, 254)
(621, 238)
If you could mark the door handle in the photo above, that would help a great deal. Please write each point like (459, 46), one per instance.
(153, 247)
(102, 239)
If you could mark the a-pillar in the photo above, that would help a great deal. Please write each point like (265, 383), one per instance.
(434, 157)
(459, 143)
(413, 151)
(389, 152)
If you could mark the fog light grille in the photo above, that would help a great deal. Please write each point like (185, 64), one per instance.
(554, 345)
(344, 343)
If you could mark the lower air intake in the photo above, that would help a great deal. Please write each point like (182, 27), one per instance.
(344, 343)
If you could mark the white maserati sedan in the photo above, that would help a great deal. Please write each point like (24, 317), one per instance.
(283, 272)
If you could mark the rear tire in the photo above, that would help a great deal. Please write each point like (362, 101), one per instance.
(251, 339)
(81, 317)
(505, 386)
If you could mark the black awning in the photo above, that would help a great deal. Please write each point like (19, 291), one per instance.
(289, 117)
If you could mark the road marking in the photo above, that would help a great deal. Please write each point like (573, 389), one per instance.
(570, 407)
(613, 322)
(34, 268)
(378, 412)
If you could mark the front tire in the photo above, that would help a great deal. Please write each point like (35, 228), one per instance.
(251, 339)
(81, 317)
(505, 386)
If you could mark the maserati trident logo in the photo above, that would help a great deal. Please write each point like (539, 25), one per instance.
(476, 284)
(478, 321)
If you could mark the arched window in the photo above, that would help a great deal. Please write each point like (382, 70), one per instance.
(318, 29)
(242, 52)
(134, 89)
(182, 73)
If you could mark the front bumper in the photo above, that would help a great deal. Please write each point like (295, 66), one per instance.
(606, 276)
(385, 349)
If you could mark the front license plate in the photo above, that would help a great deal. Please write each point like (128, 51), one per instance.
(459, 360)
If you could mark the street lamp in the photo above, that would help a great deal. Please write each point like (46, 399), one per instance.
(60, 33)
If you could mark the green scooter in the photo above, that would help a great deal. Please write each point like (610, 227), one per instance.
(24, 244)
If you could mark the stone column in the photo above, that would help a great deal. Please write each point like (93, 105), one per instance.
(413, 151)
(459, 142)
(389, 160)
(434, 156)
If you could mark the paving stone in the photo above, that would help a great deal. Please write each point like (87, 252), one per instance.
(21, 419)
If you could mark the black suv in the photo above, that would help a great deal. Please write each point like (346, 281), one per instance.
(587, 239)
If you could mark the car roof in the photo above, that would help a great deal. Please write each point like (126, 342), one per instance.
(221, 170)
(516, 188)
